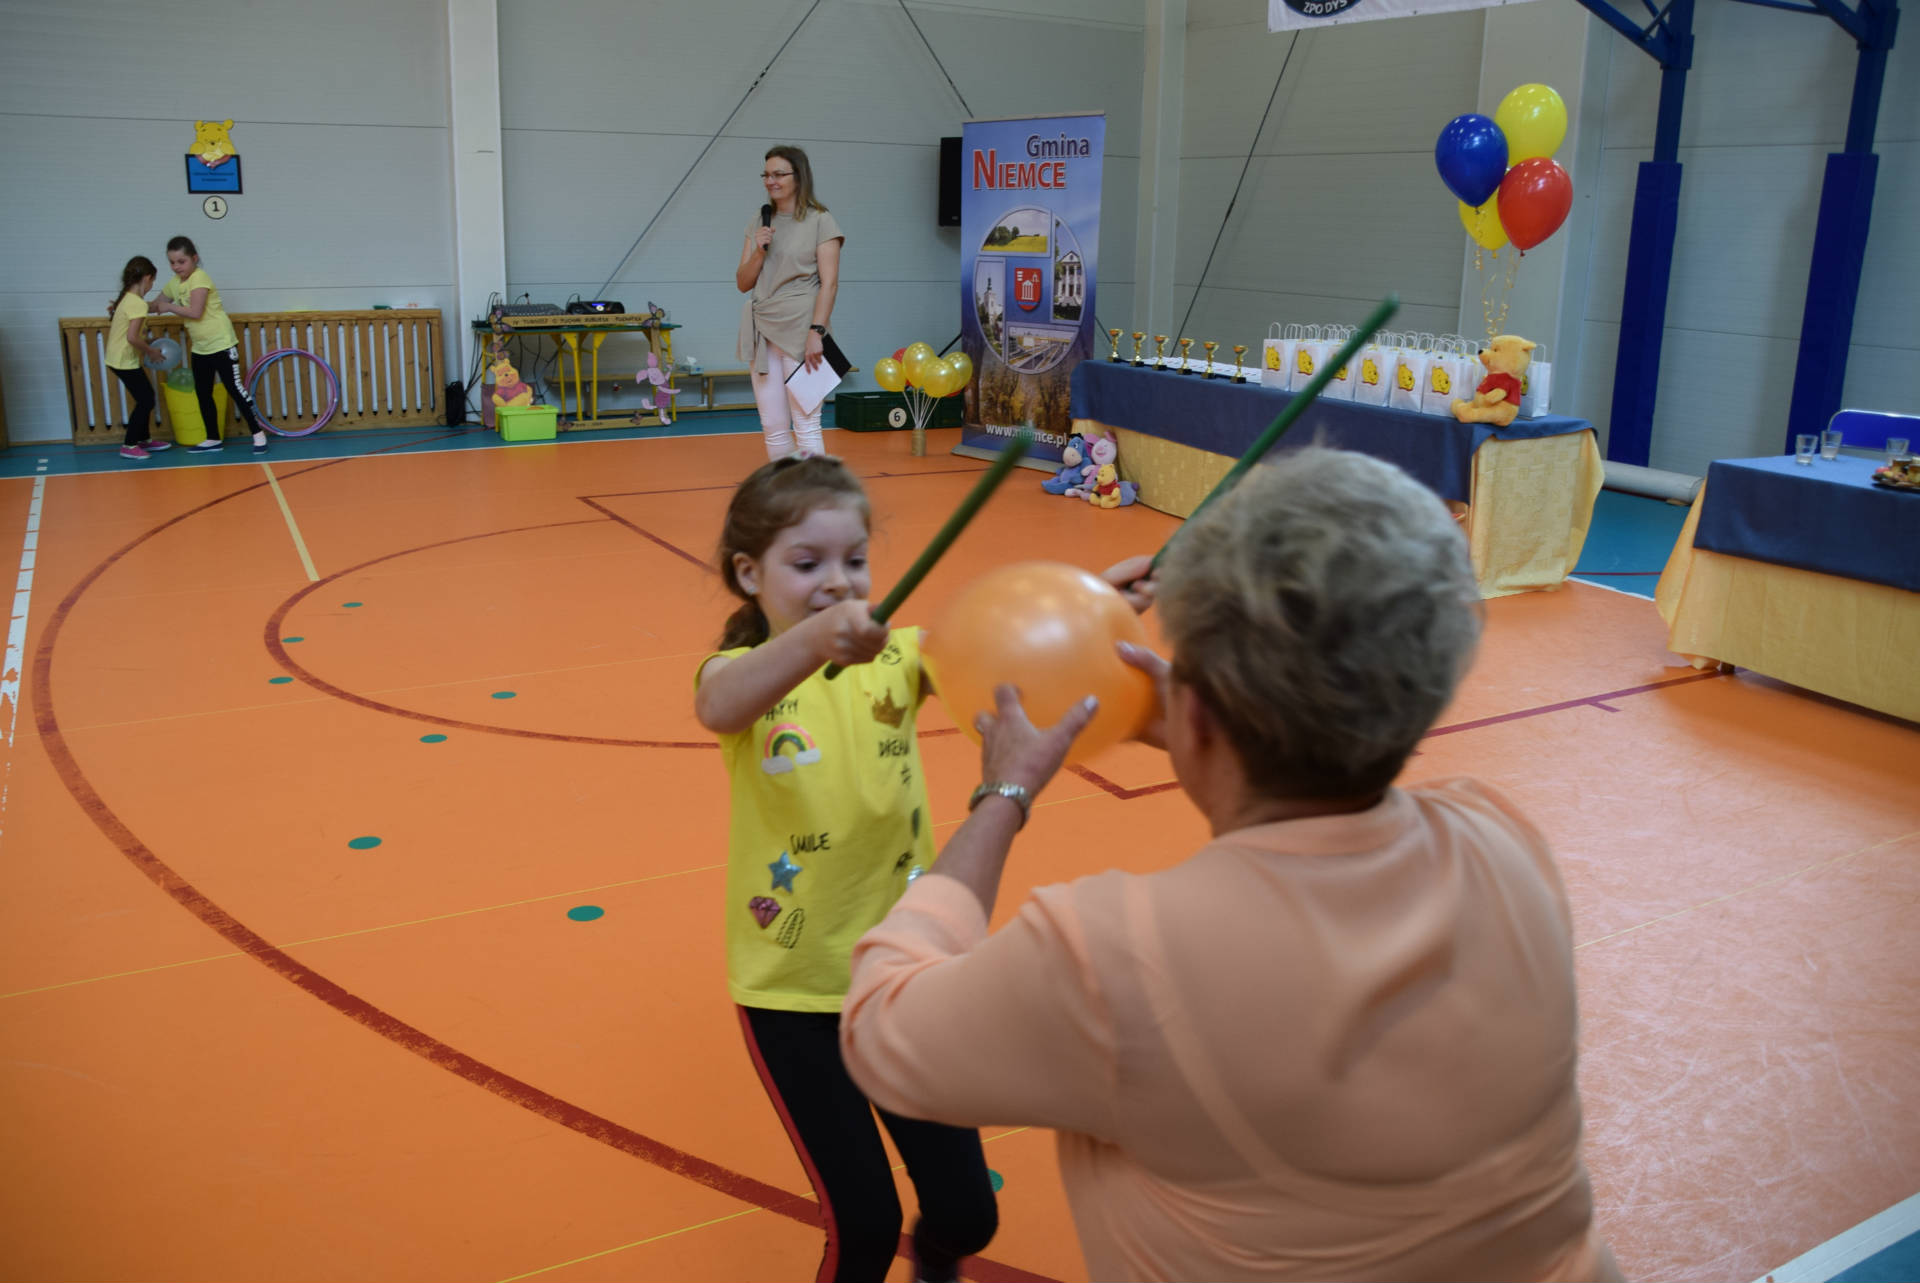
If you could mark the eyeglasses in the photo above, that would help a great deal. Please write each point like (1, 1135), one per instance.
(776, 173)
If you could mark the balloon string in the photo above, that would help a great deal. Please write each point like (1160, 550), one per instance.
(1487, 284)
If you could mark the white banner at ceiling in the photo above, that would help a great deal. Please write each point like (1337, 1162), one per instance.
(1293, 15)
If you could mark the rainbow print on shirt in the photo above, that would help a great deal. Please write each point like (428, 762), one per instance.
(788, 748)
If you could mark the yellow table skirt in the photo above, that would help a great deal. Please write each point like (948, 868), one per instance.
(1527, 520)
(1847, 638)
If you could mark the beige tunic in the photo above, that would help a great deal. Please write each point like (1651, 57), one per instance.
(781, 305)
(1333, 1048)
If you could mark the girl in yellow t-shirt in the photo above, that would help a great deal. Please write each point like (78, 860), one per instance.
(829, 807)
(126, 344)
(829, 823)
(190, 293)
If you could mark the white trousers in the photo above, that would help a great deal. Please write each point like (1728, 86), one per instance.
(781, 419)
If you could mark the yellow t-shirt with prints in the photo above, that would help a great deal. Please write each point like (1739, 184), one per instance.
(829, 817)
(213, 332)
(120, 352)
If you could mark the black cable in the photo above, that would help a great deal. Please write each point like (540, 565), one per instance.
(1246, 165)
(936, 58)
(605, 285)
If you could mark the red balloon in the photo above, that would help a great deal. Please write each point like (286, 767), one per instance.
(1534, 199)
(900, 354)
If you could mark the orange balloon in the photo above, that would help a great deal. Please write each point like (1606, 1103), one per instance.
(1048, 629)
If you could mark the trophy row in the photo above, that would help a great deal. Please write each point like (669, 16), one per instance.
(1185, 364)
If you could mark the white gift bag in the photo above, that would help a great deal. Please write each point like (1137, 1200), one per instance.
(1308, 357)
(1276, 354)
(1340, 386)
(1536, 385)
(1410, 372)
(1373, 370)
(1449, 375)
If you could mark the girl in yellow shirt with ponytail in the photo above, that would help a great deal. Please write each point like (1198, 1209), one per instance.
(191, 295)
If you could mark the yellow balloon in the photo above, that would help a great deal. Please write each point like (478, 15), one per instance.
(889, 375)
(1534, 119)
(1483, 224)
(918, 354)
(963, 364)
(942, 378)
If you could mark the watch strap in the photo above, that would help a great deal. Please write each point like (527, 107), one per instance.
(1016, 793)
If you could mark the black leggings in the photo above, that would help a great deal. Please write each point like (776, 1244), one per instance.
(222, 367)
(140, 388)
(831, 1126)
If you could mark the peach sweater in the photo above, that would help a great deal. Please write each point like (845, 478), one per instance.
(1334, 1048)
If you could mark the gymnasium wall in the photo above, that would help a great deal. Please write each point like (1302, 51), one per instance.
(1767, 100)
(1340, 204)
(340, 114)
(602, 113)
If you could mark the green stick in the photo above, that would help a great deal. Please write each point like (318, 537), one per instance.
(1294, 409)
(970, 506)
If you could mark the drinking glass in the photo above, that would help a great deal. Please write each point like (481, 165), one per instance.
(1803, 449)
(1897, 448)
(1830, 444)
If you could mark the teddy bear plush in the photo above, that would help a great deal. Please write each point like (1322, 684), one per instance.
(1101, 484)
(1497, 399)
(507, 387)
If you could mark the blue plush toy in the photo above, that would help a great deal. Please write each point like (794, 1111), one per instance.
(1074, 458)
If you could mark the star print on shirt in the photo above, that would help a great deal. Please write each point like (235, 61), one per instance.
(783, 870)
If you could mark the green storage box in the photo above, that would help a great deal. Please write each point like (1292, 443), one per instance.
(527, 422)
(887, 412)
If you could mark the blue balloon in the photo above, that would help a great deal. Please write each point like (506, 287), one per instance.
(1472, 158)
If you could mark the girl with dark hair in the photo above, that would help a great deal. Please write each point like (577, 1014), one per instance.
(190, 294)
(830, 823)
(126, 344)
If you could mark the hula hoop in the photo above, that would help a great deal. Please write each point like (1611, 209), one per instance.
(333, 391)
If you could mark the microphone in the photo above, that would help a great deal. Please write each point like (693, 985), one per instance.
(766, 220)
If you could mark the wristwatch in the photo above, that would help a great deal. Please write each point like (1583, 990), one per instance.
(1016, 793)
(821, 330)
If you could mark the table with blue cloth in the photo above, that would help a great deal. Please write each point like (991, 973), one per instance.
(1805, 572)
(1525, 492)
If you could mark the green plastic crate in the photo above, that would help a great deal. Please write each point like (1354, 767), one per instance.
(527, 422)
(888, 412)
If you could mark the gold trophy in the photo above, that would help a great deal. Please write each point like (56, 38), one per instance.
(1186, 366)
(1115, 354)
(1239, 350)
(1209, 345)
(1138, 335)
(1160, 349)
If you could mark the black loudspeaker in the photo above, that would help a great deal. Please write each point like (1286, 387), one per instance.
(456, 403)
(950, 182)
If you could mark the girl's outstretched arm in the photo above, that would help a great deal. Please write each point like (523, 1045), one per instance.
(734, 692)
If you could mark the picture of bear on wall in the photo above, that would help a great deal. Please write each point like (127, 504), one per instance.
(213, 162)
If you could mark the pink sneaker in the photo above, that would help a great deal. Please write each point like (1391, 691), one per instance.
(133, 452)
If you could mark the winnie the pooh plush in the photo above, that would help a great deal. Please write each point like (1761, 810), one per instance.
(1102, 486)
(1497, 399)
(507, 387)
(211, 143)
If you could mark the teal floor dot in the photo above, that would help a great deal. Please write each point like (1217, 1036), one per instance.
(995, 1178)
(504, 694)
(364, 844)
(433, 739)
(290, 640)
(278, 681)
(585, 912)
(351, 604)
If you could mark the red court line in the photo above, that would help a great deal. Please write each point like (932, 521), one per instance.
(349, 1004)
(1585, 701)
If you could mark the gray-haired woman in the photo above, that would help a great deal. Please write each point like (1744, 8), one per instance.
(1339, 1040)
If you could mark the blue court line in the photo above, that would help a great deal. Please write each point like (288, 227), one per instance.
(63, 458)
(1881, 1249)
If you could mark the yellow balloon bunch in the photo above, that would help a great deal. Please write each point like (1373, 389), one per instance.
(1534, 119)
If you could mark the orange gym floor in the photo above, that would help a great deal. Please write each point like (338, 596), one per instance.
(299, 977)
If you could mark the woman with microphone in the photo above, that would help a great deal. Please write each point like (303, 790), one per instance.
(790, 271)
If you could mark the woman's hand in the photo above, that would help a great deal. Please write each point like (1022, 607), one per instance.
(816, 350)
(1014, 751)
(1133, 577)
(846, 634)
(1155, 731)
(762, 238)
